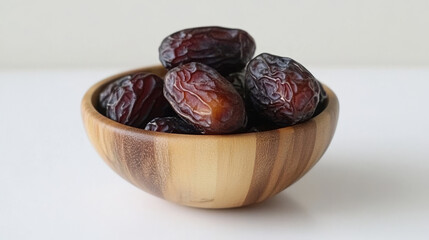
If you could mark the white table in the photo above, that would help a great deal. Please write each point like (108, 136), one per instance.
(372, 183)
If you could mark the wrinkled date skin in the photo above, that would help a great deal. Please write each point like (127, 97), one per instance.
(201, 96)
(135, 99)
(107, 91)
(170, 125)
(226, 50)
(323, 100)
(237, 80)
(281, 89)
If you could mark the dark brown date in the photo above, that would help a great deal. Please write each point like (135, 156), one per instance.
(201, 96)
(258, 123)
(135, 99)
(170, 125)
(281, 89)
(323, 100)
(224, 49)
(237, 80)
(107, 91)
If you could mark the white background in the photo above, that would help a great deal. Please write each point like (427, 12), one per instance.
(127, 33)
(372, 183)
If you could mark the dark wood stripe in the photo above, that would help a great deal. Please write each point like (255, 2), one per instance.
(140, 161)
(266, 151)
(305, 138)
(118, 160)
(298, 157)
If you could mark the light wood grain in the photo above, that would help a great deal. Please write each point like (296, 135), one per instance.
(209, 171)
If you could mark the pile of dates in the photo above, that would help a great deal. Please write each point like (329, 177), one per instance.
(213, 86)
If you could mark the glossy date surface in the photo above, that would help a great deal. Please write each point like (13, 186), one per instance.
(281, 90)
(237, 80)
(201, 96)
(135, 99)
(107, 91)
(224, 49)
(323, 100)
(170, 125)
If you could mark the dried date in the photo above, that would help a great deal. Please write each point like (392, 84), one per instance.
(323, 100)
(237, 80)
(202, 97)
(170, 125)
(226, 50)
(281, 89)
(105, 94)
(136, 99)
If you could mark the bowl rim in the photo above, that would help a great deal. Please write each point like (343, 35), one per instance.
(88, 109)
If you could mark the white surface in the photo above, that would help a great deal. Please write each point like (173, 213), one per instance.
(127, 33)
(372, 183)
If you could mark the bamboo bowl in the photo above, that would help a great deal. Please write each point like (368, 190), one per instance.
(209, 171)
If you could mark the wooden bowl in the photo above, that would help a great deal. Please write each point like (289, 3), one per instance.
(209, 171)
